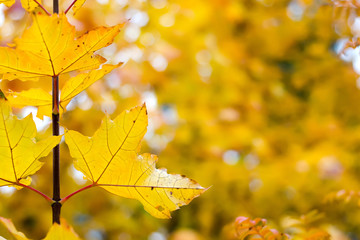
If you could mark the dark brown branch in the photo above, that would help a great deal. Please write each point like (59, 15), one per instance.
(56, 6)
(56, 206)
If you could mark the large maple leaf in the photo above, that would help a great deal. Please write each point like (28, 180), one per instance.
(19, 153)
(49, 48)
(110, 160)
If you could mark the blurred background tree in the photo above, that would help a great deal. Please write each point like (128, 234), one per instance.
(249, 97)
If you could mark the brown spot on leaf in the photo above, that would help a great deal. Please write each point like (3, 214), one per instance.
(160, 208)
(193, 181)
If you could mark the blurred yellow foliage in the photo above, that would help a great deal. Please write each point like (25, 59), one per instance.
(249, 97)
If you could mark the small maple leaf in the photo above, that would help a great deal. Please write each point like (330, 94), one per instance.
(20, 154)
(61, 232)
(49, 48)
(43, 100)
(110, 160)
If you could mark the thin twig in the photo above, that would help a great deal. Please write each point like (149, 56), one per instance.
(31, 188)
(76, 192)
(56, 6)
(42, 7)
(37, 191)
(56, 206)
(55, 116)
(72, 4)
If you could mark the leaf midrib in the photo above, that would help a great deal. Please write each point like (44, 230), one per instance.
(120, 147)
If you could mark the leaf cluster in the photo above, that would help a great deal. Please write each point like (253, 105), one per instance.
(110, 159)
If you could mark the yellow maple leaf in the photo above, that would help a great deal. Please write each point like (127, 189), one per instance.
(110, 160)
(32, 97)
(20, 154)
(61, 232)
(56, 232)
(49, 48)
(82, 81)
(43, 100)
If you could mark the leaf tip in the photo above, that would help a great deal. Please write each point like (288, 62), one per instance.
(205, 189)
(143, 106)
